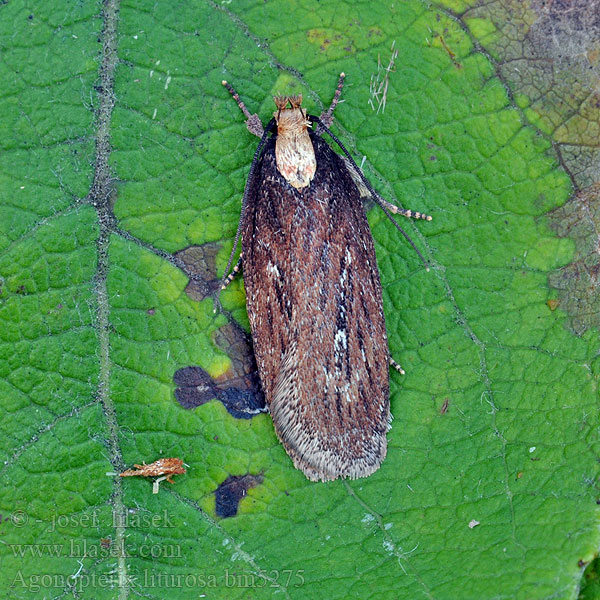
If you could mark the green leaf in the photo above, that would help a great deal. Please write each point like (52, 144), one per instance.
(122, 165)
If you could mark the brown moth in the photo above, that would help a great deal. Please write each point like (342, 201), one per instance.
(313, 294)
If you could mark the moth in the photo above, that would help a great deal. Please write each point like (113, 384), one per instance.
(313, 293)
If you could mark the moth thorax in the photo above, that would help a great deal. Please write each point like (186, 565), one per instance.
(294, 152)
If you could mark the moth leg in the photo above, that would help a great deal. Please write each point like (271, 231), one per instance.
(405, 212)
(396, 366)
(234, 271)
(327, 117)
(253, 122)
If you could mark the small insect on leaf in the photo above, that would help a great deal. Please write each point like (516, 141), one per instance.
(163, 468)
(313, 293)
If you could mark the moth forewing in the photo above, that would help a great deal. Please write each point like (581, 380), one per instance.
(314, 299)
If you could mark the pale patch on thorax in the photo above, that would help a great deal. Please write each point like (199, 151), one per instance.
(294, 152)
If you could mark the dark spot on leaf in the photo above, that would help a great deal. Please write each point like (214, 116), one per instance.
(30, 17)
(200, 264)
(151, 311)
(196, 387)
(231, 491)
(239, 389)
(444, 408)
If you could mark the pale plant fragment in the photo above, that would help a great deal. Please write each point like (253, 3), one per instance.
(379, 83)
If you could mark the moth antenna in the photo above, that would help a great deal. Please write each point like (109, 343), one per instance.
(368, 185)
(327, 117)
(263, 140)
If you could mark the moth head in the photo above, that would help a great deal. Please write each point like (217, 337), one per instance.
(293, 120)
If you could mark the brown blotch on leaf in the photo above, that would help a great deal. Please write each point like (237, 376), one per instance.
(231, 491)
(445, 405)
(578, 283)
(200, 264)
(552, 304)
(238, 389)
(196, 387)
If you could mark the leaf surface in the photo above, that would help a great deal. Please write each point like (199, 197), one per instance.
(122, 167)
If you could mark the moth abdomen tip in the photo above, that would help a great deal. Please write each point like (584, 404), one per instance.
(342, 74)
(224, 82)
(428, 218)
